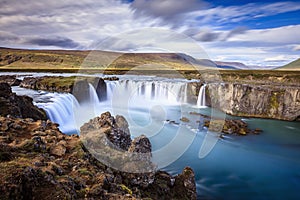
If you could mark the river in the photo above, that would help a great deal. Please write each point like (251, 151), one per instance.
(264, 166)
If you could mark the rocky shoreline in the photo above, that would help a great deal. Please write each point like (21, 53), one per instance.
(37, 161)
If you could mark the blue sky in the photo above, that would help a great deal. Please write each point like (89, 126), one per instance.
(263, 33)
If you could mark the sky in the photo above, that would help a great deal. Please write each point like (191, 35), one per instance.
(260, 33)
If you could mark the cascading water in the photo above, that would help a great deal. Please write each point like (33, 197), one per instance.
(65, 110)
(201, 97)
(159, 91)
(60, 110)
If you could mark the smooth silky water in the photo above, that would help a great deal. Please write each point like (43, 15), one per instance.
(265, 166)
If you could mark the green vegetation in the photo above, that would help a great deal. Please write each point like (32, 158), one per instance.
(126, 189)
(295, 65)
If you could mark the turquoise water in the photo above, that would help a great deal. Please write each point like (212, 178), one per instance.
(265, 166)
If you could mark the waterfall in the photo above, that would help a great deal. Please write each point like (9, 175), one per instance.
(65, 110)
(156, 91)
(61, 111)
(93, 95)
(201, 96)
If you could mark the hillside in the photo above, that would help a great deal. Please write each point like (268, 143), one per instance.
(295, 65)
(74, 60)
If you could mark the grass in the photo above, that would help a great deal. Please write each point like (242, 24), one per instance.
(113, 63)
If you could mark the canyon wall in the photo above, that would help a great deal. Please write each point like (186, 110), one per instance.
(262, 101)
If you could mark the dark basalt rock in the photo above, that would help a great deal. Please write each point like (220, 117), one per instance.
(18, 106)
(140, 144)
(100, 87)
(81, 90)
(117, 133)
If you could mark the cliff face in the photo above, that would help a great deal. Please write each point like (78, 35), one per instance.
(263, 101)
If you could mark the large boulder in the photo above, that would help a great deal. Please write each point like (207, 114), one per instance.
(117, 133)
(81, 91)
(100, 87)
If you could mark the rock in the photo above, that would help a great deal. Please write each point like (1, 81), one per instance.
(115, 132)
(111, 78)
(184, 119)
(263, 101)
(38, 161)
(18, 106)
(230, 126)
(81, 91)
(58, 150)
(122, 124)
(29, 82)
(185, 185)
(100, 87)
(10, 79)
(140, 144)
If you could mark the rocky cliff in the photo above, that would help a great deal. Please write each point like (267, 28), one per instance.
(262, 101)
(18, 106)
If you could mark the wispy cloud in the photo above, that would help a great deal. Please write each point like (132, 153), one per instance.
(167, 9)
(222, 15)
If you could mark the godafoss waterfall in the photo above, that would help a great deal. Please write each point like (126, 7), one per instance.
(172, 116)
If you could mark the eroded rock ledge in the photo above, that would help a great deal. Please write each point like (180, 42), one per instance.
(262, 101)
(18, 106)
(37, 161)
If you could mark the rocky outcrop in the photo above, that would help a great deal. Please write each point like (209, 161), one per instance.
(37, 161)
(227, 126)
(263, 101)
(18, 106)
(100, 86)
(116, 131)
(80, 90)
(49, 83)
(10, 79)
(78, 86)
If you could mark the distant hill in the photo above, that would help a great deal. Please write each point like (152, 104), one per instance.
(239, 65)
(295, 65)
(15, 59)
(230, 65)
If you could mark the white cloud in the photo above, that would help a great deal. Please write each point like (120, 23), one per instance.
(167, 9)
(296, 47)
(222, 14)
(285, 34)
